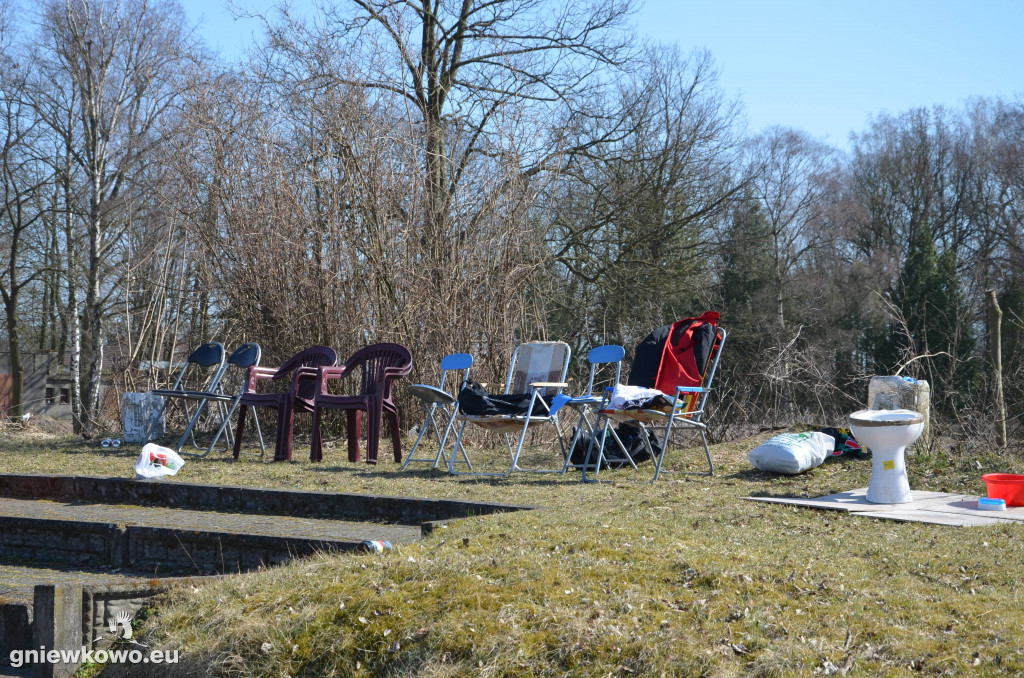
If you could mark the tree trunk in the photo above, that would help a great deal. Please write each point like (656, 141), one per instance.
(94, 313)
(75, 366)
(995, 341)
(17, 369)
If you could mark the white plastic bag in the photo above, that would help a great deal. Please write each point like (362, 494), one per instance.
(792, 452)
(157, 462)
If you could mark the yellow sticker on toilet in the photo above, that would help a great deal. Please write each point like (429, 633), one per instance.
(889, 465)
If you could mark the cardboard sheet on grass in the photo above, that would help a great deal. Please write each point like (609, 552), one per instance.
(940, 508)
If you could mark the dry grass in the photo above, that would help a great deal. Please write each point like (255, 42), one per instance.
(679, 578)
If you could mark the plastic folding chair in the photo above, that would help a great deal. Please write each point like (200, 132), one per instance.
(439, 403)
(592, 403)
(539, 369)
(687, 402)
(242, 358)
(299, 393)
(208, 358)
(378, 366)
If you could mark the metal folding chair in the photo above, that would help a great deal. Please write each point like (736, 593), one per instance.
(206, 358)
(591, 402)
(686, 411)
(242, 358)
(439, 403)
(539, 369)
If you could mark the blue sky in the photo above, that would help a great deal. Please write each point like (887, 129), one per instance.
(823, 66)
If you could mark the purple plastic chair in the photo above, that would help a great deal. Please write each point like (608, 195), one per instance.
(299, 394)
(379, 366)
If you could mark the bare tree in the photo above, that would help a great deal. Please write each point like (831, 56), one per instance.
(22, 176)
(789, 169)
(115, 70)
(629, 217)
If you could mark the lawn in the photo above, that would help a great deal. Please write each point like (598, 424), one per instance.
(678, 578)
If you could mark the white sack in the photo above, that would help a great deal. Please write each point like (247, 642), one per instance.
(792, 452)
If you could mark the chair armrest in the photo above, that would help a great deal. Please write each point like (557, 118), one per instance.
(397, 372)
(255, 373)
(302, 372)
(325, 373)
(692, 389)
(393, 374)
(548, 384)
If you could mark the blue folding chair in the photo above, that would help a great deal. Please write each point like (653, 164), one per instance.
(685, 412)
(591, 403)
(436, 401)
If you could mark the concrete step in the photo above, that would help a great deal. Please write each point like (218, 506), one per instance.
(252, 500)
(162, 541)
(17, 593)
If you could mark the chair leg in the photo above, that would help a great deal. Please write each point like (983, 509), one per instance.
(239, 430)
(316, 452)
(225, 425)
(423, 430)
(396, 436)
(259, 432)
(660, 457)
(707, 452)
(458, 445)
(355, 419)
(289, 428)
(281, 445)
(373, 422)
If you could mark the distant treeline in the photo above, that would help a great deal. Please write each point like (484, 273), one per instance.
(467, 176)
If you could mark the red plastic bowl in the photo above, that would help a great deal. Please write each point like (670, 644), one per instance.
(1006, 486)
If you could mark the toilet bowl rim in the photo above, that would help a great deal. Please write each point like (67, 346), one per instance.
(858, 418)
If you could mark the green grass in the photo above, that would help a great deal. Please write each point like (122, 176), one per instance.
(677, 578)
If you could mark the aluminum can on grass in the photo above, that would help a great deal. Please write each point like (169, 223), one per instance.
(376, 545)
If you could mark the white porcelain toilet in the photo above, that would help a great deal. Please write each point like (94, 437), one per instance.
(887, 433)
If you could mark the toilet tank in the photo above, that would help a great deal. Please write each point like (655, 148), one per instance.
(902, 393)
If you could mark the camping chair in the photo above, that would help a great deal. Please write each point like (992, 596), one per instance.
(591, 402)
(206, 358)
(299, 393)
(242, 358)
(538, 370)
(379, 365)
(435, 400)
(674, 376)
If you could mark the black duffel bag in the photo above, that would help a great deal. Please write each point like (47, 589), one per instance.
(631, 437)
(474, 399)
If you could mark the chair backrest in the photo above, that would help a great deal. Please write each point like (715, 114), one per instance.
(454, 362)
(709, 372)
(694, 402)
(246, 356)
(603, 355)
(375, 361)
(204, 356)
(243, 357)
(675, 355)
(208, 355)
(315, 356)
(538, 361)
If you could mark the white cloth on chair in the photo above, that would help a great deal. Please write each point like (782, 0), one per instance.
(626, 397)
